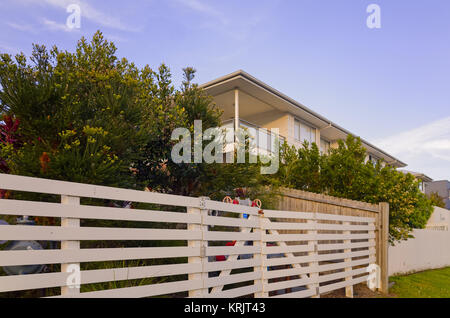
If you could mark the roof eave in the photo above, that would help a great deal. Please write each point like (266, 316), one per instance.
(240, 73)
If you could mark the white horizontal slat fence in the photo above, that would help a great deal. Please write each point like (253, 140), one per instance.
(238, 251)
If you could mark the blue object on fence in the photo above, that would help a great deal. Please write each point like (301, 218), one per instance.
(23, 246)
(23, 269)
(245, 216)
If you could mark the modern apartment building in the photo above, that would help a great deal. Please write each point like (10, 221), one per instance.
(248, 102)
(442, 188)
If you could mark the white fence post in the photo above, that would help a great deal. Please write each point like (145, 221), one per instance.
(201, 244)
(348, 289)
(73, 268)
(260, 244)
(314, 275)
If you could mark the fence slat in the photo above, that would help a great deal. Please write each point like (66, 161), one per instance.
(13, 258)
(289, 260)
(314, 257)
(232, 279)
(230, 236)
(313, 237)
(46, 209)
(237, 292)
(340, 246)
(267, 225)
(270, 274)
(330, 287)
(231, 250)
(229, 265)
(142, 291)
(217, 220)
(299, 294)
(229, 207)
(30, 184)
(289, 284)
(288, 215)
(342, 265)
(56, 233)
(286, 249)
(335, 217)
(315, 226)
(331, 277)
(57, 279)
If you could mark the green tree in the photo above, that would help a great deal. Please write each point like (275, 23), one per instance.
(169, 108)
(436, 200)
(91, 117)
(344, 172)
(80, 113)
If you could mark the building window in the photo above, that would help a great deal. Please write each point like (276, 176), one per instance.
(324, 146)
(303, 132)
(373, 159)
(421, 186)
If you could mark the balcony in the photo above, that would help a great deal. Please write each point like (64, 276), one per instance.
(262, 140)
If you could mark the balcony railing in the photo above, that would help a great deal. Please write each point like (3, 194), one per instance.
(262, 140)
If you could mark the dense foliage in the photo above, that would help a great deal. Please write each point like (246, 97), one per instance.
(91, 117)
(80, 113)
(344, 172)
(436, 200)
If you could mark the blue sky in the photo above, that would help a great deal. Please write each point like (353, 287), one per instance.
(389, 85)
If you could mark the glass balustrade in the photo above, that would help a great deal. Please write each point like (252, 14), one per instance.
(261, 140)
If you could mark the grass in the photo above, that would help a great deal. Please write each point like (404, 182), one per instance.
(428, 284)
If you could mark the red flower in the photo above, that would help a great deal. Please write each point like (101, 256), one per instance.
(8, 131)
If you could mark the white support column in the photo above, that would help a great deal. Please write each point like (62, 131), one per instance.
(313, 265)
(201, 244)
(73, 268)
(236, 110)
(317, 141)
(348, 289)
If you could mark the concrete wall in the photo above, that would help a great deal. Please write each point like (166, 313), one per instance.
(430, 248)
(440, 217)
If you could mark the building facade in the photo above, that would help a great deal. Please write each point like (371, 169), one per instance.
(442, 188)
(250, 103)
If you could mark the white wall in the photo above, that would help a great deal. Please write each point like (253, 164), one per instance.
(427, 250)
(440, 216)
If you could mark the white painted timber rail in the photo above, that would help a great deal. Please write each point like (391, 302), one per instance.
(173, 245)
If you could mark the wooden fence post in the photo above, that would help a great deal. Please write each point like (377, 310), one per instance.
(73, 268)
(383, 245)
(201, 244)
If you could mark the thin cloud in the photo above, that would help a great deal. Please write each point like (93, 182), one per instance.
(204, 8)
(88, 12)
(426, 147)
(55, 26)
(22, 27)
(8, 49)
